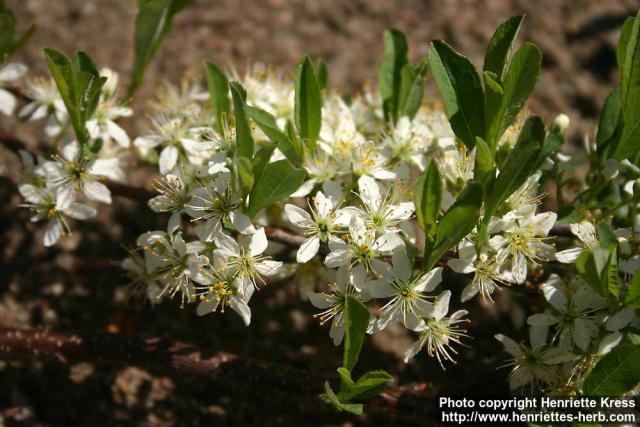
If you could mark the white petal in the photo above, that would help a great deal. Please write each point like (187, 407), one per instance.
(258, 242)
(609, 342)
(369, 191)
(207, 306)
(242, 308)
(554, 293)
(168, 159)
(308, 249)
(71, 151)
(321, 301)
(469, 292)
(510, 346)
(268, 267)
(429, 281)
(568, 256)
(388, 242)
(336, 332)
(242, 223)
(97, 191)
(226, 244)
(543, 223)
(12, 72)
(442, 305)
(7, 102)
(52, 232)
(298, 216)
(147, 142)
(542, 319)
(174, 223)
(620, 319)
(118, 134)
(31, 193)
(582, 333)
(413, 350)
(402, 267)
(339, 257)
(304, 189)
(380, 289)
(80, 211)
(106, 167)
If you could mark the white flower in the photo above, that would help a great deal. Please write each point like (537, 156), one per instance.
(487, 277)
(321, 226)
(347, 284)
(172, 262)
(439, 333)
(526, 199)
(321, 169)
(366, 159)
(524, 240)
(362, 248)
(271, 93)
(174, 197)
(45, 99)
(586, 233)
(409, 141)
(379, 213)
(572, 304)
(532, 365)
(9, 73)
(245, 260)
(409, 301)
(215, 202)
(614, 324)
(75, 171)
(455, 163)
(176, 139)
(338, 134)
(220, 288)
(52, 206)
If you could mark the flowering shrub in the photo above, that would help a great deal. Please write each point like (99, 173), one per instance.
(383, 194)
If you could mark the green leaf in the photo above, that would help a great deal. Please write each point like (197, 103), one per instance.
(412, 89)
(499, 48)
(79, 85)
(322, 75)
(518, 84)
(152, 24)
(610, 116)
(461, 92)
(308, 104)
(261, 160)
(621, 48)
(615, 374)
(245, 172)
(218, 85)
(484, 166)
(395, 57)
(8, 41)
(630, 93)
(368, 385)
(606, 235)
(610, 273)
(633, 296)
(292, 149)
(456, 223)
(356, 318)
(345, 378)
(517, 166)
(244, 139)
(428, 198)
(330, 397)
(277, 181)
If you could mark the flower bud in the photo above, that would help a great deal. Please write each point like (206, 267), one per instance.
(560, 124)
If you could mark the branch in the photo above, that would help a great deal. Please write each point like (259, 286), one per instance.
(239, 374)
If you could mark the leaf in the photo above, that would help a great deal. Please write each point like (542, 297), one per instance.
(261, 160)
(412, 89)
(461, 92)
(518, 84)
(245, 172)
(322, 75)
(497, 54)
(630, 94)
(8, 41)
(456, 223)
(633, 296)
(356, 318)
(152, 24)
(244, 139)
(291, 149)
(484, 166)
(277, 181)
(330, 397)
(615, 374)
(218, 85)
(345, 378)
(621, 48)
(518, 165)
(79, 85)
(308, 104)
(395, 57)
(428, 198)
(368, 385)
(610, 273)
(610, 116)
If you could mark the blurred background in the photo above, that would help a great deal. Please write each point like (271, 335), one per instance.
(78, 285)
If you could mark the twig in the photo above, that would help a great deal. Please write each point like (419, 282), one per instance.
(406, 404)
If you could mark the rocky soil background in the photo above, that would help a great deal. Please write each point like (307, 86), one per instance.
(78, 285)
